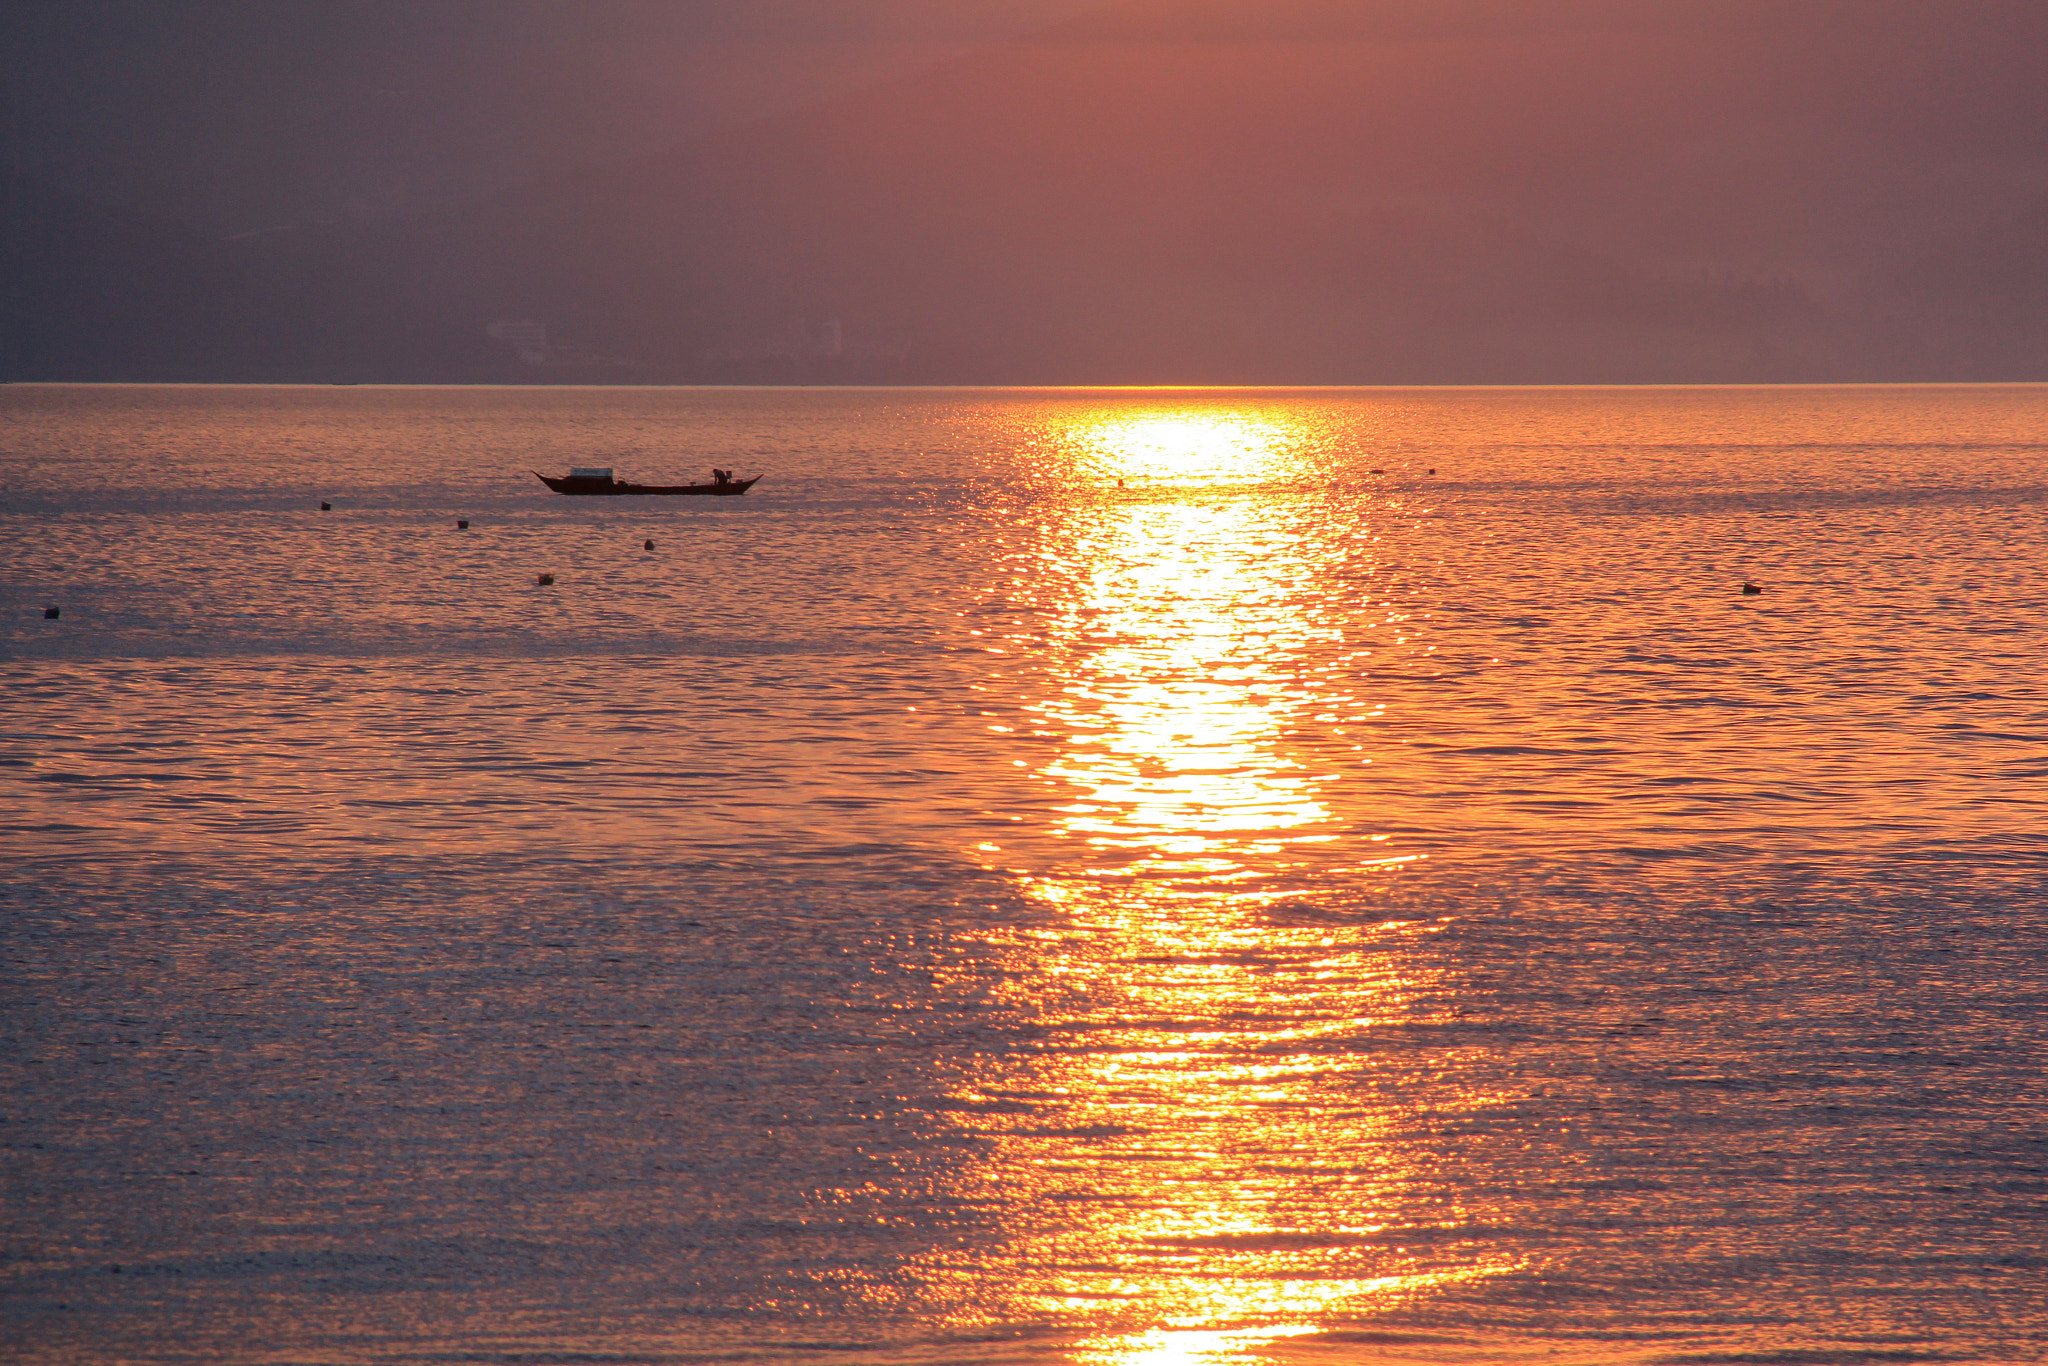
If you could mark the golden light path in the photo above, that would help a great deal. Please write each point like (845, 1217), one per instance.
(1213, 1181)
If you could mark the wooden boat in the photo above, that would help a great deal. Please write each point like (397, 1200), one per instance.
(600, 481)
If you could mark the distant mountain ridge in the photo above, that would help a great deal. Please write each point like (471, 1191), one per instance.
(1184, 191)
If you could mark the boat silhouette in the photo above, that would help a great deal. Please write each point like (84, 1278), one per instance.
(600, 481)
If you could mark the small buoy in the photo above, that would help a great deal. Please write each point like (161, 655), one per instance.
(1748, 588)
(545, 580)
(462, 524)
(327, 507)
(647, 545)
(1432, 469)
(51, 613)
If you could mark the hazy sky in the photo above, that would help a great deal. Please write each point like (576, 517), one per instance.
(1041, 190)
(239, 114)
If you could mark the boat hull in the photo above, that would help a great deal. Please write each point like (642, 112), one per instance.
(612, 488)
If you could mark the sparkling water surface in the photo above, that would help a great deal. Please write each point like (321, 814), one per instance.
(1129, 878)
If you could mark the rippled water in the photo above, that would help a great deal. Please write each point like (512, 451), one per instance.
(1134, 878)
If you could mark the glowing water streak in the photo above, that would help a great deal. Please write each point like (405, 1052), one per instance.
(1206, 1168)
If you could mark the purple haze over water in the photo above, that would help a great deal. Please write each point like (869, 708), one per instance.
(1136, 877)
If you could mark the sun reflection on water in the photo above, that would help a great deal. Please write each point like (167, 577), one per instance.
(1174, 721)
(1201, 1173)
(1179, 622)
(1201, 688)
(1184, 447)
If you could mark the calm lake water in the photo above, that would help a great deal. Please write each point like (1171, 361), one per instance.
(1123, 878)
